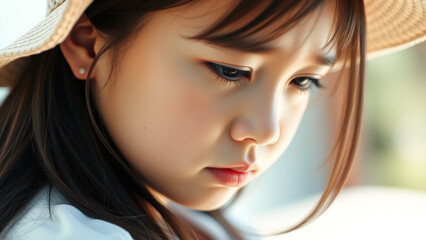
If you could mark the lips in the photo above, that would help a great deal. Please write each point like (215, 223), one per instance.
(230, 176)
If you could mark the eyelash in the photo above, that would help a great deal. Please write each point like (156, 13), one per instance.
(308, 87)
(218, 71)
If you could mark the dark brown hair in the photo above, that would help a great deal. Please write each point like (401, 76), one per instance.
(51, 133)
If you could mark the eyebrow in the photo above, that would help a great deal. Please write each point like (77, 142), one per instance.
(326, 59)
(250, 46)
(321, 58)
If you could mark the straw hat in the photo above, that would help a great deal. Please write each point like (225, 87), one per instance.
(391, 25)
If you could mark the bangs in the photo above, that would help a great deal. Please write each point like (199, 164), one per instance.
(289, 12)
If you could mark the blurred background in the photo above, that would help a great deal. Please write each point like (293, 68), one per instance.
(393, 144)
(394, 136)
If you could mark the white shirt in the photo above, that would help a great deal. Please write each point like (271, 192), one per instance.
(66, 222)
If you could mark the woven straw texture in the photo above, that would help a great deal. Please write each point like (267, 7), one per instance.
(47, 34)
(394, 24)
(391, 25)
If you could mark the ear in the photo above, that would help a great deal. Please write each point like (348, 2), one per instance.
(80, 48)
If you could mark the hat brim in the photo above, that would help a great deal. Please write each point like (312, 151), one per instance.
(393, 25)
(44, 36)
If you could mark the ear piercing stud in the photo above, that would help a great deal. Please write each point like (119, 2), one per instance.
(82, 71)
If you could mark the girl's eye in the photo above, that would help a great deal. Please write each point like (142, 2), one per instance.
(304, 84)
(228, 74)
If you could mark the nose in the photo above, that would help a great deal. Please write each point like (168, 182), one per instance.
(258, 121)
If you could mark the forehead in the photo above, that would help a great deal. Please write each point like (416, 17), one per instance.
(311, 34)
(313, 29)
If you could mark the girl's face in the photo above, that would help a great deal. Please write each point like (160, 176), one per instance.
(199, 121)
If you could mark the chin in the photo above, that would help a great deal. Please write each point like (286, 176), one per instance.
(208, 203)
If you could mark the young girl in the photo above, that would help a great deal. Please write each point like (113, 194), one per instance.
(122, 112)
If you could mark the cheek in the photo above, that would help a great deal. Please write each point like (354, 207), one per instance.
(159, 116)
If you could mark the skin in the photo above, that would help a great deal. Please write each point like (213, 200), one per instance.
(172, 118)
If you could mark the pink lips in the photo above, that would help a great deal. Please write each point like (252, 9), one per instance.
(229, 177)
